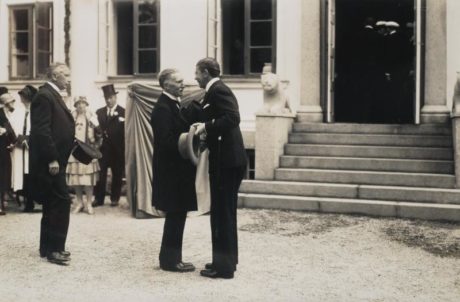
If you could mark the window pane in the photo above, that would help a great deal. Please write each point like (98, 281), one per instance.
(259, 57)
(20, 43)
(20, 66)
(147, 12)
(43, 14)
(147, 61)
(43, 61)
(43, 39)
(21, 19)
(147, 36)
(261, 9)
(233, 36)
(124, 12)
(261, 34)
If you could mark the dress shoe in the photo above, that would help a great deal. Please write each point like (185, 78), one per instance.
(180, 268)
(65, 253)
(57, 258)
(78, 208)
(209, 273)
(210, 266)
(28, 210)
(2, 213)
(96, 204)
(114, 204)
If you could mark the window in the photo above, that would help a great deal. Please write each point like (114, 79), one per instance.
(249, 35)
(31, 44)
(137, 37)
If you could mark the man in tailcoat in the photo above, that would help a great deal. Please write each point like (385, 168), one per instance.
(227, 165)
(51, 142)
(112, 122)
(173, 177)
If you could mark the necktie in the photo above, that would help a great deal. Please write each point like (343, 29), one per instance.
(24, 129)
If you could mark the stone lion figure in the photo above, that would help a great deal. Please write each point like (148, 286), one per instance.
(275, 99)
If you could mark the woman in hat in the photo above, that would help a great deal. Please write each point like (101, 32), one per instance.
(80, 176)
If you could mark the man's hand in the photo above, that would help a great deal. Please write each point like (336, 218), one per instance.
(2, 131)
(200, 128)
(53, 167)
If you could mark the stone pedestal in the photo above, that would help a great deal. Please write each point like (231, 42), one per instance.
(272, 131)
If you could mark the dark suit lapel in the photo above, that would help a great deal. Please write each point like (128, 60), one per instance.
(59, 100)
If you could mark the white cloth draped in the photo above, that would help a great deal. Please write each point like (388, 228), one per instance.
(19, 156)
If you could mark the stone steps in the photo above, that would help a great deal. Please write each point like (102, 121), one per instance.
(438, 153)
(368, 164)
(428, 211)
(425, 129)
(366, 177)
(353, 191)
(371, 139)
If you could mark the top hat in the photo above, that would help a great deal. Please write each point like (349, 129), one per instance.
(80, 99)
(85, 153)
(3, 90)
(28, 92)
(108, 90)
(189, 146)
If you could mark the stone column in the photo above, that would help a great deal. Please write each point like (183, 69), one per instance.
(272, 132)
(435, 109)
(310, 108)
(456, 131)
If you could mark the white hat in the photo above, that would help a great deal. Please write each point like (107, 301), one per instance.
(392, 24)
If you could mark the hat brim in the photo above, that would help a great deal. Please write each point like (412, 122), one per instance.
(188, 146)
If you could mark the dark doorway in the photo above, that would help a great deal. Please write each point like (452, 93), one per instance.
(374, 62)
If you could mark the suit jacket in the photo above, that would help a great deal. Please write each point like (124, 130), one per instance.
(222, 119)
(113, 131)
(52, 134)
(173, 177)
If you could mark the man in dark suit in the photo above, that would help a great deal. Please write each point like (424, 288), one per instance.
(7, 138)
(173, 177)
(227, 165)
(112, 122)
(51, 142)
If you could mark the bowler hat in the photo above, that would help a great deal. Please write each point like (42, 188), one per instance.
(84, 152)
(189, 146)
(109, 90)
(28, 92)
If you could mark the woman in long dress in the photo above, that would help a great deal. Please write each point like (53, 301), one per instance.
(83, 177)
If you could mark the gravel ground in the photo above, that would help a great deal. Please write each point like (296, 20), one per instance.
(284, 256)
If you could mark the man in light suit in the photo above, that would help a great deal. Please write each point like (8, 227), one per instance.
(227, 165)
(51, 141)
(112, 122)
(173, 177)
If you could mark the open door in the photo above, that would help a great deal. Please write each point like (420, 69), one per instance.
(374, 73)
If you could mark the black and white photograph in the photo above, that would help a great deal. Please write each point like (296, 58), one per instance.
(230, 150)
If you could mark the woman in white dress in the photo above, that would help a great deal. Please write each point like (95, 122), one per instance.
(83, 177)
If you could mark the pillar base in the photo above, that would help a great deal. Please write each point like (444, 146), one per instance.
(310, 114)
(435, 114)
(272, 132)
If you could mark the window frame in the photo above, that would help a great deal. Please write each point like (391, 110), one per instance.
(135, 47)
(33, 50)
(247, 40)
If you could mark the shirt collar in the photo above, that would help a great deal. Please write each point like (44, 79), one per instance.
(62, 93)
(169, 95)
(212, 81)
(112, 109)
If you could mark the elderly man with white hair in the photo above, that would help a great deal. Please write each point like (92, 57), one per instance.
(51, 142)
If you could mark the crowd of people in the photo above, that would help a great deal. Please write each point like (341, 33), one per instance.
(38, 143)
